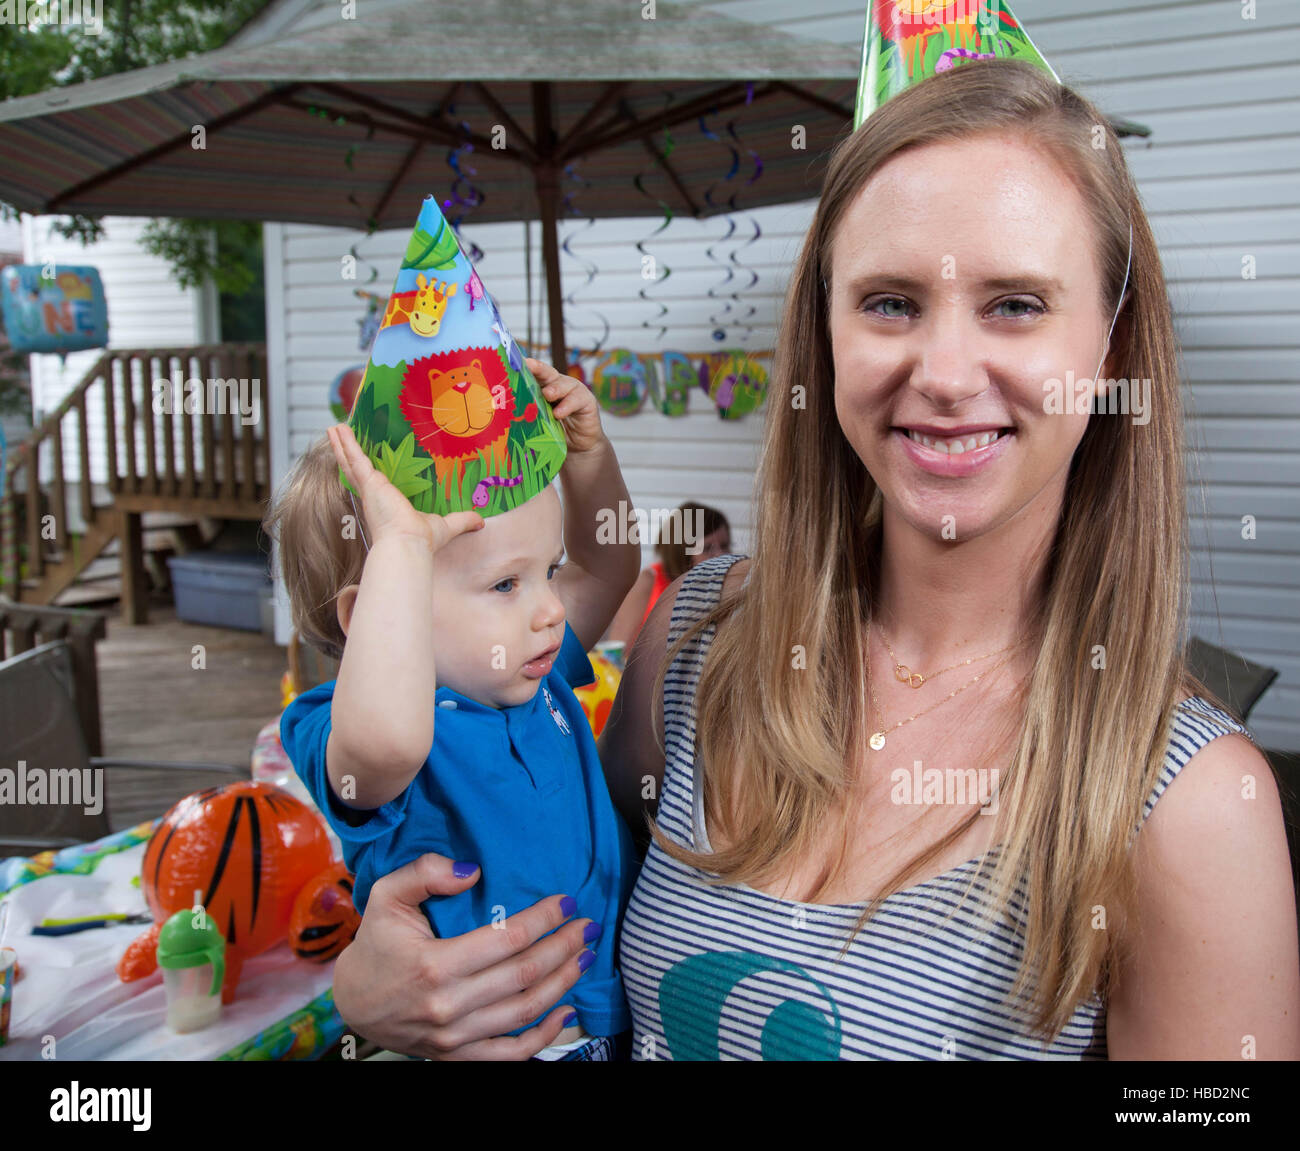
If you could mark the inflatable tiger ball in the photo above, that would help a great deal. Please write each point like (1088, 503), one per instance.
(243, 852)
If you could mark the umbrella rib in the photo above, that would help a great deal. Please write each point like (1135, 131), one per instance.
(672, 175)
(812, 98)
(667, 119)
(531, 148)
(431, 129)
(275, 95)
(430, 134)
(610, 93)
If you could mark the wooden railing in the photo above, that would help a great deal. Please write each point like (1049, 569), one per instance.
(182, 448)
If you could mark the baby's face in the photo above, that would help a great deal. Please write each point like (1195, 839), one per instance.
(495, 608)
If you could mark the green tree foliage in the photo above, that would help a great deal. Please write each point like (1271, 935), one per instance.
(135, 34)
(44, 54)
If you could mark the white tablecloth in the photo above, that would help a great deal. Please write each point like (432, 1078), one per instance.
(70, 1003)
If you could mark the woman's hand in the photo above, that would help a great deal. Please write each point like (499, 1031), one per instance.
(401, 987)
(387, 511)
(573, 404)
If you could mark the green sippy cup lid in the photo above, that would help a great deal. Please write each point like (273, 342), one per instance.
(183, 943)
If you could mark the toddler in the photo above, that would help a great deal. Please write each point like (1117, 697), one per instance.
(452, 726)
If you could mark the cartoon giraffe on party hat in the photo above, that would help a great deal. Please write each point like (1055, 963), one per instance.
(422, 309)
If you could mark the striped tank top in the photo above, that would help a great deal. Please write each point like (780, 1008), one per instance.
(733, 973)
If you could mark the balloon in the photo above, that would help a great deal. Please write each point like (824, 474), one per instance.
(62, 312)
(597, 698)
(343, 391)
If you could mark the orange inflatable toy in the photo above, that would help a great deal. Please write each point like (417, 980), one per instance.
(244, 852)
(324, 919)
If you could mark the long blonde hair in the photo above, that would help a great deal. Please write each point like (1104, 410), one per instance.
(776, 746)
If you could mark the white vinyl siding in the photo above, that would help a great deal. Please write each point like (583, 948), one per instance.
(1220, 178)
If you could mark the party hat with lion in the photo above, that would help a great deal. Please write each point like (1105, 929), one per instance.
(448, 409)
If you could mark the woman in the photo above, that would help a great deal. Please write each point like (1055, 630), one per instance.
(674, 560)
(969, 249)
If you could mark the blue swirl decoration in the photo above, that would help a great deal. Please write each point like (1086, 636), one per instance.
(570, 208)
(465, 194)
(694, 992)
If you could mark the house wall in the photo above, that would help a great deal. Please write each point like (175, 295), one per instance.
(1220, 179)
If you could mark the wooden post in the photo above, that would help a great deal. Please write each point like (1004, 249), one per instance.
(149, 418)
(548, 194)
(135, 590)
(83, 462)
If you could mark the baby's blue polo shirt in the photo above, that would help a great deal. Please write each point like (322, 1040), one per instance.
(517, 790)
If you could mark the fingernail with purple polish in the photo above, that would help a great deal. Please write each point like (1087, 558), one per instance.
(591, 931)
(568, 905)
(463, 870)
(586, 959)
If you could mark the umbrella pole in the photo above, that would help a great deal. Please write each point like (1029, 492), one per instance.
(548, 195)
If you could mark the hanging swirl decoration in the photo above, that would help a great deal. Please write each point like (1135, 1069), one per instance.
(639, 182)
(758, 231)
(465, 194)
(716, 318)
(370, 224)
(590, 267)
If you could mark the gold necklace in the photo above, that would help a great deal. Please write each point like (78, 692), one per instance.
(915, 679)
(877, 740)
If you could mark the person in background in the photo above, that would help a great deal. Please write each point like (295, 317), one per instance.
(674, 560)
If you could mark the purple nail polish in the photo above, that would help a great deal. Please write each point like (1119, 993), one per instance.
(463, 870)
(571, 1019)
(568, 905)
(591, 931)
(586, 959)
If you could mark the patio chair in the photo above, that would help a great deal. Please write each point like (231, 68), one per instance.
(40, 733)
(1237, 682)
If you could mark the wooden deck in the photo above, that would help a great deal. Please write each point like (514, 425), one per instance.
(156, 706)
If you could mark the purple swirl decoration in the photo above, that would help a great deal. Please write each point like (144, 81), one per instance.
(570, 208)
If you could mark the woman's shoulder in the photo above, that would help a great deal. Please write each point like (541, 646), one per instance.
(1216, 791)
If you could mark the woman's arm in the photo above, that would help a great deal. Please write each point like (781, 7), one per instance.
(631, 745)
(399, 986)
(1213, 971)
(623, 628)
(631, 741)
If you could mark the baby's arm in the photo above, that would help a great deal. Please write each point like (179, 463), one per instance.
(598, 574)
(381, 721)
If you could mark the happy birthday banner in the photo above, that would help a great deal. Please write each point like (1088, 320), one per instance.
(734, 379)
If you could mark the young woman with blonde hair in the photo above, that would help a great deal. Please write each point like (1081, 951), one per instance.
(950, 574)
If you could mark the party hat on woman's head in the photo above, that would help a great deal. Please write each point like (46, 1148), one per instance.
(908, 40)
(447, 409)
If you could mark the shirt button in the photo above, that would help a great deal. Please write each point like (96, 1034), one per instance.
(451, 703)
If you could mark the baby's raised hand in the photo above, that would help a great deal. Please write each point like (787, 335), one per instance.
(387, 511)
(574, 405)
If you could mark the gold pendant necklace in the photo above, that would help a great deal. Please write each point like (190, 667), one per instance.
(915, 679)
(877, 740)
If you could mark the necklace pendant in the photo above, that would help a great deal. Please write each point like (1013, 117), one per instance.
(915, 679)
(877, 741)
(902, 672)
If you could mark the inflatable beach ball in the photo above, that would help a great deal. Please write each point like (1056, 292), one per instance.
(597, 698)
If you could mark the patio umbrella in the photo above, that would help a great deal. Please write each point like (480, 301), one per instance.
(350, 123)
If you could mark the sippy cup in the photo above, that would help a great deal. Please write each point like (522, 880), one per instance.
(193, 962)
